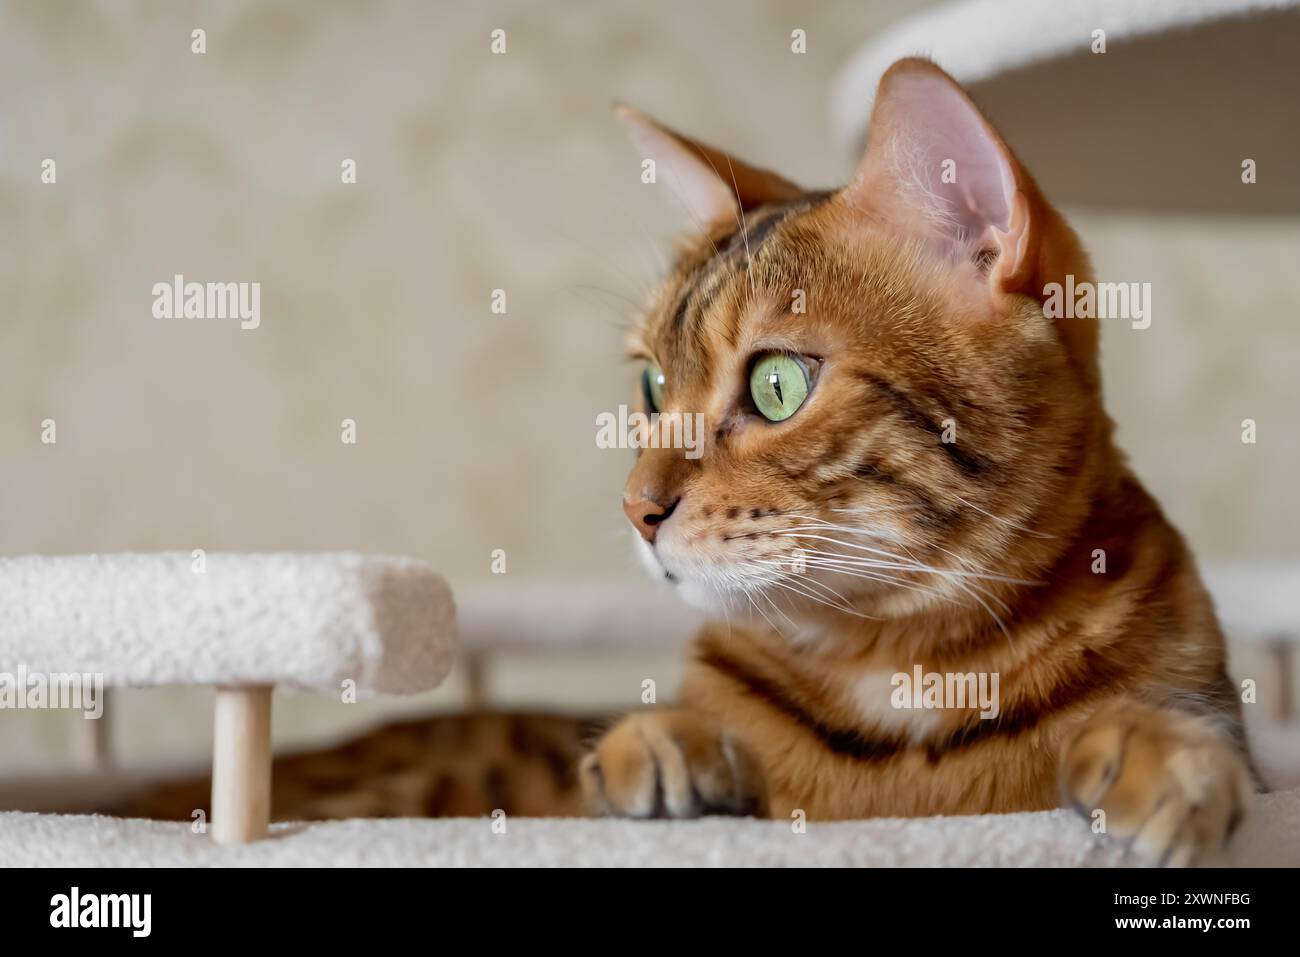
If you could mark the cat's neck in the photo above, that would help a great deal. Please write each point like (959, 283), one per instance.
(1048, 576)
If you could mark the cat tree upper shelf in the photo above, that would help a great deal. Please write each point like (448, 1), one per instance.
(1185, 92)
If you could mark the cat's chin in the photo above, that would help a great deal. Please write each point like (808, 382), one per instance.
(702, 598)
(690, 589)
(721, 602)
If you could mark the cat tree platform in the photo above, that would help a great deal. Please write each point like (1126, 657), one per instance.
(1271, 837)
(242, 623)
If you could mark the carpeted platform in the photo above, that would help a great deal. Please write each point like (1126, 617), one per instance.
(1045, 839)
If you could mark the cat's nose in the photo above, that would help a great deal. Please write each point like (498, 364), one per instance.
(647, 514)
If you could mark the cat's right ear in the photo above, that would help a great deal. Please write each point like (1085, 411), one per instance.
(712, 185)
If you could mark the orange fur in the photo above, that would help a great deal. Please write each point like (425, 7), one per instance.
(1112, 684)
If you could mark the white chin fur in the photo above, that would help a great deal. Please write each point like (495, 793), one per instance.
(690, 589)
(649, 561)
(702, 597)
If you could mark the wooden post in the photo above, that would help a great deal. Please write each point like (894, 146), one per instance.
(241, 765)
(476, 680)
(1283, 652)
(95, 736)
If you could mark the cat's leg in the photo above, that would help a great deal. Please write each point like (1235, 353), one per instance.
(1172, 783)
(674, 764)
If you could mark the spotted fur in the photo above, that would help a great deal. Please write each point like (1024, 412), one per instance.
(466, 765)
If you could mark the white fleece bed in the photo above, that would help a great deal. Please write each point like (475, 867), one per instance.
(1041, 839)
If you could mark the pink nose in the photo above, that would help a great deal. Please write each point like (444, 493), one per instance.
(647, 515)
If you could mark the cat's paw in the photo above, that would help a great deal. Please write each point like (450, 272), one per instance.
(1166, 782)
(670, 764)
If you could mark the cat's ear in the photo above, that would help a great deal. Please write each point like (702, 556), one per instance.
(936, 165)
(711, 184)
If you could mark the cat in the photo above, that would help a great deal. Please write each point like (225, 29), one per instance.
(907, 471)
(909, 467)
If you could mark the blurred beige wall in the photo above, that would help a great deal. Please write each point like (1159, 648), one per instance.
(475, 172)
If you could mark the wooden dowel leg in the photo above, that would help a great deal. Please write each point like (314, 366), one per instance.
(95, 735)
(241, 765)
(1284, 661)
(476, 680)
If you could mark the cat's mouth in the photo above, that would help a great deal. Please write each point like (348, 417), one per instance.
(655, 565)
(720, 586)
(694, 585)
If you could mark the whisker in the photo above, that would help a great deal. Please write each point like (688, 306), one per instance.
(700, 227)
(788, 585)
(909, 564)
(744, 231)
(777, 608)
(621, 322)
(856, 562)
(650, 240)
(1002, 521)
(753, 604)
(854, 571)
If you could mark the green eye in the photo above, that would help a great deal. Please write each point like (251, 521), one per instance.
(652, 385)
(778, 385)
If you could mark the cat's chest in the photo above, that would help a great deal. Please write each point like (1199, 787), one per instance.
(881, 702)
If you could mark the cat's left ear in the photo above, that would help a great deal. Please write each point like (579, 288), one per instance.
(713, 185)
(936, 166)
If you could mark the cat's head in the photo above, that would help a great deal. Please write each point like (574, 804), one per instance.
(890, 421)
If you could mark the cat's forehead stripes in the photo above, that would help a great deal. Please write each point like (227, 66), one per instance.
(729, 256)
(755, 228)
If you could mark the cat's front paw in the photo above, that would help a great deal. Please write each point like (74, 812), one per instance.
(1166, 782)
(671, 764)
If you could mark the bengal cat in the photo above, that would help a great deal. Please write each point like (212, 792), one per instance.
(907, 466)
